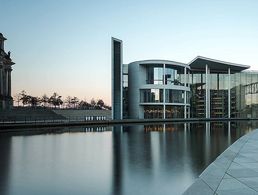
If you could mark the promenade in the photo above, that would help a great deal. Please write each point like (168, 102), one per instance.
(235, 171)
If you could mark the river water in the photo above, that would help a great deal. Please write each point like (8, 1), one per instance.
(139, 159)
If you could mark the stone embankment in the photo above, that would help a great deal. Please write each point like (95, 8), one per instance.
(235, 171)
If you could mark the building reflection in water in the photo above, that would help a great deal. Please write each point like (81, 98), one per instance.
(5, 145)
(140, 159)
(117, 169)
(166, 158)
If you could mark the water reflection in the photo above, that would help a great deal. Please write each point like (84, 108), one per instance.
(166, 158)
(140, 159)
(5, 145)
(117, 160)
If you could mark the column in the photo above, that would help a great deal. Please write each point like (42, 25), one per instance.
(9, 83)
(164, 91)
(207, 92)
(185, 116)
(4, 77)
(6, 82)
(1, 86)
(229, 95)
(1, 80)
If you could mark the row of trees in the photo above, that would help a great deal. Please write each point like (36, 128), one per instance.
(56, 101)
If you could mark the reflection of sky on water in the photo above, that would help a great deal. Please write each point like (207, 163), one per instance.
(129, 160)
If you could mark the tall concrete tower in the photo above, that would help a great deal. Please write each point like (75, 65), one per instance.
(6, 100)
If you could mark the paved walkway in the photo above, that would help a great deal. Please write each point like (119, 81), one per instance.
(235, 171)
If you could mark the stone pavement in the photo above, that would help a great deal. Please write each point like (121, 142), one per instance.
(235, 171)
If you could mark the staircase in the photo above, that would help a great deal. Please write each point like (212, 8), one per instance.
(29, 114)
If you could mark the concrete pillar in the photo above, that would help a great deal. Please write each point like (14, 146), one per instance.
(164, 91)
(1, 86)
(9, 83)
(6, 82)
(185, 116)
(207, 92)
(229, 95)
(1, 80)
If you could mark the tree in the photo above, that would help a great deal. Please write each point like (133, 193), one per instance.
(33, 101)
(68, 101)
(55, 100)
(84, 105)
(24, 97)
(17, 98)
(44, 99)
(100, 103)
(93, 102)
(74, 101)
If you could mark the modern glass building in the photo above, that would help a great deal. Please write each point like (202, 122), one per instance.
(203, 88)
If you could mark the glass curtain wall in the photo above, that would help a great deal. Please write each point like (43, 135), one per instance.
(174, 96)
(249, 95)
(153, 111)
(243, 95)
(198, 95)
(154, 74)
(174, 111)
(125, 90)
(168, 74)
(174, 75)
(219, 95)
(151, 95)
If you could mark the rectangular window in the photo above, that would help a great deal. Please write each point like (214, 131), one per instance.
(151, 95)
(174, 96)
(154, 74)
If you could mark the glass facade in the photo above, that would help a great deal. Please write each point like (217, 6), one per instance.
(242, 88)
(170, 96)
(166, 74)
(246, 94)
(174, 111)
(151, 95)
(174, 75)
(153, 112)
(154, 74)
(198, 83)
(174, 96)
(125, 90)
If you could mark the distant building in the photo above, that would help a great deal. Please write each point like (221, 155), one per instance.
(203, 88)
(6, 100)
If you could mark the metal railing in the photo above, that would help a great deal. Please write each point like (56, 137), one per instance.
(32, 119)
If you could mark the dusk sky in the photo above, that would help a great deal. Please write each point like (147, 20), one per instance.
(64, 46)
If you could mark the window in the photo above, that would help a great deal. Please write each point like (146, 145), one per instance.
(154, 74)
(151, 95)
(174, 96)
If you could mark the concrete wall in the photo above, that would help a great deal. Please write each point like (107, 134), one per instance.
(80, 114)
(133, 90)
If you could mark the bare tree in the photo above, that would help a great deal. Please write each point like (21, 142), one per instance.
(75, 101)
(93, 102)
(24, 97)
(33, 101)
(55, 100)
(17, 98)
(44, 99)
(68, 101)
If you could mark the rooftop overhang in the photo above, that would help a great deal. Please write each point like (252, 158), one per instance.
(199, 63)
(156, 61)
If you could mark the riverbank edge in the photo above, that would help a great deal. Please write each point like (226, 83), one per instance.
(225, 168)
(18, 125)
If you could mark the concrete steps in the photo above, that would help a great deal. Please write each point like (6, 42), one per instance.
(29, 114)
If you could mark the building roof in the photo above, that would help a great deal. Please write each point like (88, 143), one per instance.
(199, 63)
(161, 62)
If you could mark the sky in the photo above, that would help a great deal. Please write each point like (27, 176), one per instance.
(64, 46)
